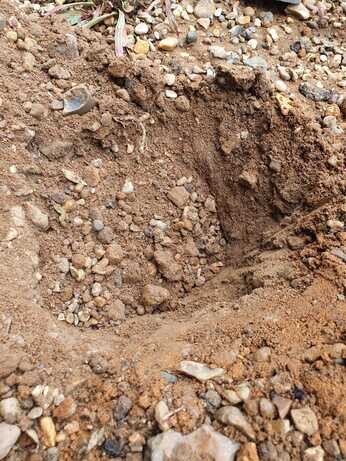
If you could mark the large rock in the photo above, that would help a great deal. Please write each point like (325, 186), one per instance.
(8, 437)
(204, 443)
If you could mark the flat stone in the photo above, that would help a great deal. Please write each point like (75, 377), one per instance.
(203, 443)
(315, 93)
(299, 10)
(199, 371)
(234, 417)
(305, 420)
(9, 435)
(179, 196)
(256, 62)
(283, 405)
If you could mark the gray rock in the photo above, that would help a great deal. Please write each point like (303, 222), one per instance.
(122, 407)
(78, 100)
(213, 399)
(10, 410)
(191, 37)
(256, 62)
(9, 434)
(199, 371)
(204, 443)
(315, 93)
(234, 417)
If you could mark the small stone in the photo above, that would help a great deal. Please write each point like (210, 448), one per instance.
(262, 354)
(66, 409)
(248, 452)
(169, 79)
(204, 9)
(78, 100)
(48, 430)
(29, 62)
(315, 93)
(97, 225)
(154, 295)
(179, 196)
(335, 225)
(199, 371)
(112, 447)
(141, 29)
(204, 23)
(36, 216)
(122, 407)
(167, 265)
(305, 420)
(299, 11)
(168, 44)
(106, 235)
(9, 435)
(256, 62)
(38, 111)
(191, 37)
(283, 405)
(218, 52)
(203, 443)
(128, 187)
(182, 103)
(92, 176)
(332, 448)
(59, 72)
(281, 86)
(141, 47)
(213, 399)
(171, 94)
(314, 454)
(267, 408)
(233, 416)
(35, 413)
(243, 20)
(162, 415)
(116, 310)
(10, 410)
(12, 36)
(2, 22)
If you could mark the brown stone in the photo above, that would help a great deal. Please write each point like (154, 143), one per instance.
(167, 265)
(116, 310)
(179, 196)
(114, 253)
(154, 295)
(92, 176)
(66, 409)
(248, 452)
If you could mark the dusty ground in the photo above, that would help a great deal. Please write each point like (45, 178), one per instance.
(233, 209)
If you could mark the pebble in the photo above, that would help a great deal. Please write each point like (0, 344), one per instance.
(154, 295)
(142, 28)
(204, 9)
(305, 420)
(122, 407)
(233, 416)
(199, 371)
(35, 413)
(141, 47)
(29, 62)
(9, 435)
(191, 37)
(106, 235)
(281, 86)
(314, 454)
(36, 216)
(78, 100)
(59, 72)
(169, 79)
(218, 52)
(162, 415)
(168, 44)
(283, 405)
(267, 408)
(112, 447)
(48, 430)
(179, 196)
(171, 94)
(203, 443)
(314, 92)
(10, 410)
(182, 103)
(12, 35)
(262, 355)
(167, 265)
(66, 409)
(256, 62)
(128, 187)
